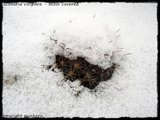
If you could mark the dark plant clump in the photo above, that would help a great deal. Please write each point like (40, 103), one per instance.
(89, 75)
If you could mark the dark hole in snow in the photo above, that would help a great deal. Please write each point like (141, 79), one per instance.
(89, 75)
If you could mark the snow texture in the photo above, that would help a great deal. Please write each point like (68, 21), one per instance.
(103, 33)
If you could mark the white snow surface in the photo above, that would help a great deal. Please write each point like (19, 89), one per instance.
(126, 32)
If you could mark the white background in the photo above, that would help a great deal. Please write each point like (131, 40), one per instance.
(131, 92)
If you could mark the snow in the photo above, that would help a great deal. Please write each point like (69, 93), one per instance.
(126, 32)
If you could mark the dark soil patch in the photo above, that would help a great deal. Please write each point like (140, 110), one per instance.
(89, 75)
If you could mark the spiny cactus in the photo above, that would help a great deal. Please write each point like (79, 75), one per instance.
(89, 75)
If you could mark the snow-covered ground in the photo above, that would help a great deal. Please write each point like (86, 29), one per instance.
(125, 32)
